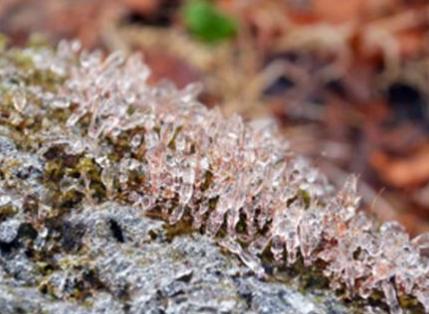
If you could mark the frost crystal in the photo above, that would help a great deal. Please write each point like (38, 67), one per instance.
(158, 148)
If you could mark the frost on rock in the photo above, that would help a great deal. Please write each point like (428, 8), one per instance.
(159, 149)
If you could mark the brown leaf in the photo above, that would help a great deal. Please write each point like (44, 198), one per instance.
(338, 11)
(403, 172)
(166, 66)
(58, 19)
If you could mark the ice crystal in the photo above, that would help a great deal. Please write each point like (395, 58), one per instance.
(158, 148)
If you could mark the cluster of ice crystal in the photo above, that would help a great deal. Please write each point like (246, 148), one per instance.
(158, 148)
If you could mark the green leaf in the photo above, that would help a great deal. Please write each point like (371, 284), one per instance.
(208, 23)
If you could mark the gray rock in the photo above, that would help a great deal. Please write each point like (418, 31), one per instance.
(143, 271)
(9, 230)
(111, 258)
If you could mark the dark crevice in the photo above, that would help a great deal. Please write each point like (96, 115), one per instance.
(406, 101)
(116, 230)
(162, 16)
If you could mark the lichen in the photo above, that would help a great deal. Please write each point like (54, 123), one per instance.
(103, 133)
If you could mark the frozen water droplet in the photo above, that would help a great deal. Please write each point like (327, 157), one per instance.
(19, 101)
(422, 243)
(60, 103)
(136, 141)
(5, 200)
(191, 91)
(114, 59)
(391, 299)
(90, 60)
(147, 202)
(177, 214)
(151, 139)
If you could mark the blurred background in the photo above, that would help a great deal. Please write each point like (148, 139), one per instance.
(347, 81)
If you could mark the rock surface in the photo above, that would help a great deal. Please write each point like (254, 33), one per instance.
(112, 259)
(89, 151)
(141, 271)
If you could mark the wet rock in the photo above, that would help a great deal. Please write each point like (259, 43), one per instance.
(9, 230)
(144, 274)
(77, 194)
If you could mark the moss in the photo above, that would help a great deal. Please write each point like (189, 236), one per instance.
(411, 304)
(44, 268)
(208, 176)
(28, 131)
(172, 143)
(183, 227)
(70, 198)
(241, 226)
(54, 171)
(48, 79)
(48, 289)
(22, 60)
(7, 210)
(38, 40)
(305, 196)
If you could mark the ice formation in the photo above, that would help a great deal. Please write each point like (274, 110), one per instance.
(158, 148)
